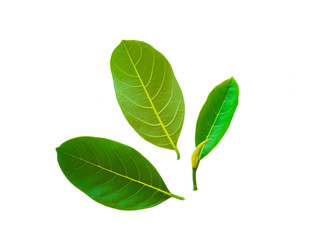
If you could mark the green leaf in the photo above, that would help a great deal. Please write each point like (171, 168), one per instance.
(215, 117)
(112, 173)
(148, 93)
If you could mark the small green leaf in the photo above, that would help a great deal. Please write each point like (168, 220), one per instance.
(215, 117)
(112, 173)
(148, 93)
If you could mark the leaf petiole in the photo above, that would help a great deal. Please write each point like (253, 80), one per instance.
(177, 197)
(177, 152)
(194, 178)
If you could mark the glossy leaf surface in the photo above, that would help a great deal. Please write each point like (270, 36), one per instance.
(216, 115)
(148, 93)
(112, 173)
(214, 119)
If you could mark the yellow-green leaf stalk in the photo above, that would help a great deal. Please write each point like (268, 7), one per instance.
(195, 162)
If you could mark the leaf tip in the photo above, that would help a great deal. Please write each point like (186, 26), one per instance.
(235, 83)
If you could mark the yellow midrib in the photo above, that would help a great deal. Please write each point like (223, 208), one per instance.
(118, 174)
(152, 105)
(215, 120)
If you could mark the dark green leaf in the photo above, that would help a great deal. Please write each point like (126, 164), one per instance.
(148, 93)
(215, 117)
(112, 173)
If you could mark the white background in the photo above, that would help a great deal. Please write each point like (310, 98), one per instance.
(262, 180)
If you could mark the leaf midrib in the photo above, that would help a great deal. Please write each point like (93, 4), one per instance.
(118, 174)
(150, 100)
(215, 119)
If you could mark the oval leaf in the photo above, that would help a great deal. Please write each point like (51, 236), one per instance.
(112, 173)
(148, 93)
(216, 115)
(214, 120)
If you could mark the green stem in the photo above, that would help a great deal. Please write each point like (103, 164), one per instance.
(177, 152)
(194, 177)
(177, 197)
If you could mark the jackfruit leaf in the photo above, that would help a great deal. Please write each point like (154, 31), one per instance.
(112, 173)
(214, 119)
(148, 93)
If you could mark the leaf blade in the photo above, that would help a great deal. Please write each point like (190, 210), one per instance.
(148, 93)
(112, 173)
(221, 105)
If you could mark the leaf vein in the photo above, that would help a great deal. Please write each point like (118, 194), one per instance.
(151, 124)
(134, 101)
(118, 174)
(155, 111)
(214, 121)
(130, 75)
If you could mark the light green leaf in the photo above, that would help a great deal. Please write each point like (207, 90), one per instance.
(215, 117)
(112, 173)
(148, 93)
